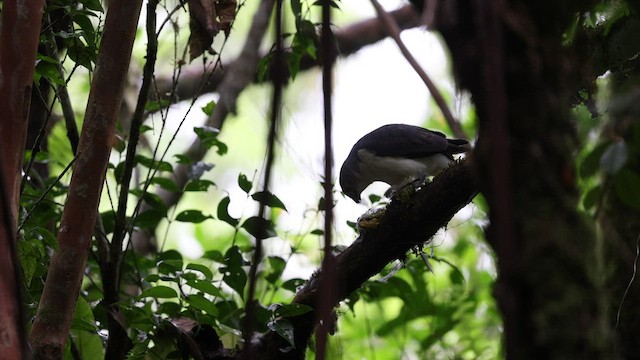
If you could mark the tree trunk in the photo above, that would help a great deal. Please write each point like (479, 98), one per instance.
(53, 319)
(510, 56)
(18, 47)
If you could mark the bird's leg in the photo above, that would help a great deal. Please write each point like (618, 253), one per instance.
(412, 183)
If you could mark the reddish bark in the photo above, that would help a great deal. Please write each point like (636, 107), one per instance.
(53, 320)
(18, 47)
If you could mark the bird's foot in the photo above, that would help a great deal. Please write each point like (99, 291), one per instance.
(407, 188)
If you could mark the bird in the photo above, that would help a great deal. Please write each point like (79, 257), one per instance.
(396, 154)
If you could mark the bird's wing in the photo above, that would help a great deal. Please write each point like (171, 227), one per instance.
(404, 141)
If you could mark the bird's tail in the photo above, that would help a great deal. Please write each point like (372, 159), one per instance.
(457, 146)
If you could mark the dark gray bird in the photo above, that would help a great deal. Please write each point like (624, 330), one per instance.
(395, 154)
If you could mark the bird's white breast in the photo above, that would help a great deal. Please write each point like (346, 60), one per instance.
(395, 170)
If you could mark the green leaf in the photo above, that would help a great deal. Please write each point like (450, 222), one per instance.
(244, 183)
(48, 238)
(192, 216)
(591, 163)
(144, 128)
(150, 218)
(293, 284)
(283, 328)
(166, 184)
(374, 198)
(80, 53)
(223, 212)
(234, 274)
(169, 262)
(208, 109)
(277, 265)
(204, 270)
(85, 332)
(83, 317)
(170, 255)
(259, 228)
(28, 259)
(296, 7)
(168, 267)
(108, 221)
(155, 105)
(267, 198)
(153, 164)
(153, 200)
(159, 292)
(214, 255)
(182, 159)
(206, 287)
(93, 5)
(209, 137)
(290, 310)
(152, 278)
(592, 197)
(170, 308)
(48, 71)
(199, 185)
(456, 277)
(86, 25)
(627, 186)
(199, 302)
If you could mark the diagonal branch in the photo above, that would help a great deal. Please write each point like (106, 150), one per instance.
(403, 226)
(394, 31)
(196, 80)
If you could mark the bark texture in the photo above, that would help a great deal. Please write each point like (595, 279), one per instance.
(55, 311)
(509, 54)
(18, 47)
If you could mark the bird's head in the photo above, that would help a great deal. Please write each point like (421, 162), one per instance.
(349, 180)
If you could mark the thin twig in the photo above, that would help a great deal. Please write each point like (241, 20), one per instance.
(633, 277)
(394, 32)
(278, 83)
(328, 285)
(33, 208)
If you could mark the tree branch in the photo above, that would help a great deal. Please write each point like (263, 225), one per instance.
(394, 31)
(196, 80)
(404, 225)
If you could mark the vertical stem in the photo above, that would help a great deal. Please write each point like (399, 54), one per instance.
(327, 286)
(278, 81)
